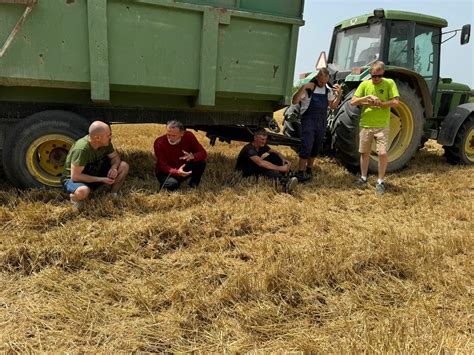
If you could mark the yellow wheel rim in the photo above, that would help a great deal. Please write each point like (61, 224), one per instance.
(469, 145)
(46, 156)
(401, 132)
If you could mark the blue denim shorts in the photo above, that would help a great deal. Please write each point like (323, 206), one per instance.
(71, 186)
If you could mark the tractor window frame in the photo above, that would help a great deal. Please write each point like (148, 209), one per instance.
(406, 50)
(376, 56)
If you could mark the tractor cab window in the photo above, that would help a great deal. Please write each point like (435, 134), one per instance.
(416, 47)
(399, 53)
(357, 46)
(426, 52)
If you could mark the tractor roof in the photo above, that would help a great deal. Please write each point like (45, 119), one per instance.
(396, 15)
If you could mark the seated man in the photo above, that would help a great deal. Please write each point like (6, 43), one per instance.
(274, 166)
(179, 156)
(91, 162)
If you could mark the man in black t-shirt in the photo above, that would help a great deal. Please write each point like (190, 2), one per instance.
(274, 166)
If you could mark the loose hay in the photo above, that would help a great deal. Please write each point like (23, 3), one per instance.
(235, 266)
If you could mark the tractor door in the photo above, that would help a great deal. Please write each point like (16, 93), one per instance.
(415, 47)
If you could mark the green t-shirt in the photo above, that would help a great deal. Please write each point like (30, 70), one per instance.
(376, 117)
(82, 154)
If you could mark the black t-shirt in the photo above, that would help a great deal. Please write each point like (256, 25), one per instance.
(245, 164)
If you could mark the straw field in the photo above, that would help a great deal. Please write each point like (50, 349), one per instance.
(235, 266)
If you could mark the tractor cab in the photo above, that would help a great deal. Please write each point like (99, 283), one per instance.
(399, 39)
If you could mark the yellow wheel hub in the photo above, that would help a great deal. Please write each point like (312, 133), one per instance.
(46, 156)
(401, 132)
(469, 145)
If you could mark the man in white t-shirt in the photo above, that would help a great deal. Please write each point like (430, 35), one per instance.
(314, 119)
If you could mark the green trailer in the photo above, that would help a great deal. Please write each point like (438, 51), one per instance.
(223, 66)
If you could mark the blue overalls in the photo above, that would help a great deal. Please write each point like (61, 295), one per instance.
(313, 125)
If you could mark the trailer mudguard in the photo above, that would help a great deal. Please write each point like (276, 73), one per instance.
(452, 122)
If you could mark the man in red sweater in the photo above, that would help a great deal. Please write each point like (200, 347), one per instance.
(179, 156)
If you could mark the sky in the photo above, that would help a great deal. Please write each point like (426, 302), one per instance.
(322, 15)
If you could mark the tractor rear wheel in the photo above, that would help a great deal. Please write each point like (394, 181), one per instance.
(36, 148)
(406, 131)
(462, 151)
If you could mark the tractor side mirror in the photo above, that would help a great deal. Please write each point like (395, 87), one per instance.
(465, 34)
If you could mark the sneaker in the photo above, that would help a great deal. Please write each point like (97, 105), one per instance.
(291, 184)
(113, 195)
(360, 183)
(379, 188)
(302, 177)
(309, 172)
(77, 205)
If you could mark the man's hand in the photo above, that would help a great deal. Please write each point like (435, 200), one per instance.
(373, 100)
(183, 173)
(106, 180)
(310, 86)
(187, 156)
(112, 174)
(284, 168)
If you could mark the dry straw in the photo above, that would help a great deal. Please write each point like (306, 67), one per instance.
(235, 266)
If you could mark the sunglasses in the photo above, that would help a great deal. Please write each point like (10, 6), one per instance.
(376, 76)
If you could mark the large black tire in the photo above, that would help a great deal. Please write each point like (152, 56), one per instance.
(462, 151)
(345, 131)
(36, 147)
(406, 131)
(291, 129)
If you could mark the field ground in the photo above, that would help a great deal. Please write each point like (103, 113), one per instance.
(236, 266)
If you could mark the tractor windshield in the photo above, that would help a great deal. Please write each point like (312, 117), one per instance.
(357, 46)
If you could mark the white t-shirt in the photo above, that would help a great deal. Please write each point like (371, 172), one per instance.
(322, 90)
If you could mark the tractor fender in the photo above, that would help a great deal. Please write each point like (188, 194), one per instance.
(416, 81)
(452, 122)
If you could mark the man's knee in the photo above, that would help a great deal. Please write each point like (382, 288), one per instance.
(123, 168)
(274, 159)
(82, 192)
(170, 184)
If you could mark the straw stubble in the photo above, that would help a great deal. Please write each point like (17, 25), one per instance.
(236, 266)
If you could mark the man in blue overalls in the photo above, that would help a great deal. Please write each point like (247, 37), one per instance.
(314, 119)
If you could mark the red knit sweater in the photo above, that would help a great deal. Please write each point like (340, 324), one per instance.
(167, 155)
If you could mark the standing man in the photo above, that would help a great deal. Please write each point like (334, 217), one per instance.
(274, 166)
(314, 119)
(179, 156)
(91, 162)
(376, 96)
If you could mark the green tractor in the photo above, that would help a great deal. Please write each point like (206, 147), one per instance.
(430, 107)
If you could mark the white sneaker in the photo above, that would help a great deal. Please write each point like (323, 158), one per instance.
(291, 184)
(77, 205)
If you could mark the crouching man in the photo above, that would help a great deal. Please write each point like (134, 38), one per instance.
(179, 156)
(91, 162)
(274, 166)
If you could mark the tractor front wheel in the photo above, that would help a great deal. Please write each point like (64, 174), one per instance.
(462, 151)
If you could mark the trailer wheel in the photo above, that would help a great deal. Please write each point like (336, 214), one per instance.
(406, 131)
(462, 151)
(36, 148)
